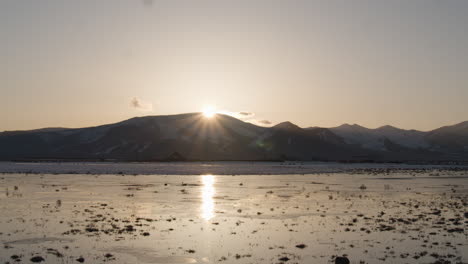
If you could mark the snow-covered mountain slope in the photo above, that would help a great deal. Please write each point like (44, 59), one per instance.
(194, 137)
(408, 138)
(376, 138)
(449, 138)
(358, 135)
(150, 137)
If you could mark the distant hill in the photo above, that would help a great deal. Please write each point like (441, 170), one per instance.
(445, 143)
(194, 137)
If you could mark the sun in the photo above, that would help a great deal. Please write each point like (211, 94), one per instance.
(209, 111)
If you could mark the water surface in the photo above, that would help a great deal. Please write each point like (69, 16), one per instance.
(405, 217)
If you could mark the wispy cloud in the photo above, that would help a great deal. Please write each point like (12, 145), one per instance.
(148, 3)
(141, 105)
(242, 115)
(265, 122)
(247, 116)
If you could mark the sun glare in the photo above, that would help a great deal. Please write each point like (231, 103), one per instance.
(209, 112)
(207, 192)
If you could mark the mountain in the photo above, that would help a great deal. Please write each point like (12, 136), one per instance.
(194, 137)
(142, 138)
(375, 138)
(452, 140)
(445, 143)
(290, 142)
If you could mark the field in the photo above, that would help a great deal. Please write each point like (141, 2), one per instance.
(306, 213)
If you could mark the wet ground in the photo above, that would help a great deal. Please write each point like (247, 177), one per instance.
(369, 215)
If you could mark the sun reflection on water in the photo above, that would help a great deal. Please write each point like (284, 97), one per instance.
(207, 193)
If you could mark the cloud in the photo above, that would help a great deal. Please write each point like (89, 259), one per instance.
(246, 114)
(265, 122)
(141, 105)
(242, 115)
(148, 3)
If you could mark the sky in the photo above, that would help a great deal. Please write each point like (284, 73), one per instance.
(68, 63)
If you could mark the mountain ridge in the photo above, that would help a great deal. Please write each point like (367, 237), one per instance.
(462, 124)
(192, 136)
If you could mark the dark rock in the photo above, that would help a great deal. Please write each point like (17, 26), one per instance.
(37, 259)
(54, 252)
(80, 259)
(457, 230)
(91, 229)
(341, 260)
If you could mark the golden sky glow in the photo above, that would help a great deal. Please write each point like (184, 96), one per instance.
(314, 63)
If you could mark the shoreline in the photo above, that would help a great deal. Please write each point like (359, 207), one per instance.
(218, 168)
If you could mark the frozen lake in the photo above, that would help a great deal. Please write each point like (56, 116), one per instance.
(369, 215)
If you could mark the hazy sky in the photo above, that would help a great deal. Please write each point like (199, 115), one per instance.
(314, 63)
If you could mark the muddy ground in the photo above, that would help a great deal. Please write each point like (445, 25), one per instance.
(368, 215)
